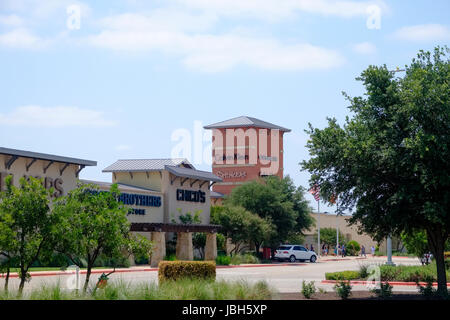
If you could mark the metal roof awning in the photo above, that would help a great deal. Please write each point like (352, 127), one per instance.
(146, 165)
(172, 227)
(193, 174)
(46, 157)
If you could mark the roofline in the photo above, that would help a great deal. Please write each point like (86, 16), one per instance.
(183, 160)
(48, 157)
(210, 127)
(130, 187)
(193, 176)
(136, 170)
(217, 126)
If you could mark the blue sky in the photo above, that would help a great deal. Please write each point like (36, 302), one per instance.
(122, 81)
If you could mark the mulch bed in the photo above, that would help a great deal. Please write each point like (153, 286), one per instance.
(356, 295)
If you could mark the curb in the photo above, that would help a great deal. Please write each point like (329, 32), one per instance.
(99, 271)
(67, 273)
(262, 265)
(392, 283)
(341, 259)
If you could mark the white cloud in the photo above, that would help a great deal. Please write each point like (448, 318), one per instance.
(11, 20)
(123, 147)
(37, 116)
(364, 48)
(277, 9)
(208, 52)
(159, 20)
(423, 33)
(22, 38)
(43, 9)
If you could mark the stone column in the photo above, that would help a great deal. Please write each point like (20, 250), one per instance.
(185, 250)
(211, 246)
(159, 248)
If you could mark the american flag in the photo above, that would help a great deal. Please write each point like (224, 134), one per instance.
(315, 191)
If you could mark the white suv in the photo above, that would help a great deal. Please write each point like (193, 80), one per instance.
(294, 252)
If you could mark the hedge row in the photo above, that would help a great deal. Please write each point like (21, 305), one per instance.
(175, 270)
(391, 273)
(344, 275)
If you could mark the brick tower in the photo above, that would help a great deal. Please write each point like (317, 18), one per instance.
(245, 149)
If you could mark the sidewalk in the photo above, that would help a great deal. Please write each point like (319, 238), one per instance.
(140, 269)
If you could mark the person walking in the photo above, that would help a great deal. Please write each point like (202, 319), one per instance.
(363, 251)
(343, 251)
(373, 251)
(312, 248)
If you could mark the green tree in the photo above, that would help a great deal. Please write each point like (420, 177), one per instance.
(276, 200)
(328, 236)
(27, 226)
(8, 244)
(95, 222)
(416, 242)
(241, 226)
(390, 160)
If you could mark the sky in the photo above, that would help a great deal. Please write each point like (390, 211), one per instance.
(109, 80)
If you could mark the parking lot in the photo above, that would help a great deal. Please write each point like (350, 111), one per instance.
(283, 277)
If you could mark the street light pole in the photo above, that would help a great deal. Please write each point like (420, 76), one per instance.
(389, 251)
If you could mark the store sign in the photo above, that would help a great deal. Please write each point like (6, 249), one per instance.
(140, 200)
(136, 200)
(191, 196)
(231, 174)
(267, 158)
(56, 184)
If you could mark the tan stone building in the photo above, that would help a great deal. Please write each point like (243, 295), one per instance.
(327, 220)
(182, 190)
(157, 191)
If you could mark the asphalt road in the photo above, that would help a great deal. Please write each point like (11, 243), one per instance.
(281, 277)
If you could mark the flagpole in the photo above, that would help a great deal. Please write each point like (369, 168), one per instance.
(318, 228)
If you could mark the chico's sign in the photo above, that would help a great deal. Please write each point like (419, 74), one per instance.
(191, 196)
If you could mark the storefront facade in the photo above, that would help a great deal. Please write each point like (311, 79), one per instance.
(158, 192)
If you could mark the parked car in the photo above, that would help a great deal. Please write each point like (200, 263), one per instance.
(293, 252)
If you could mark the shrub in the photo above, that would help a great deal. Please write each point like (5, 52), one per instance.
(308, 289)
(352, 248)
(223, 260)
(175, 270)
(408, 273)
(428, 291)
(384, 292)
(343, 289)
(170, 257)
(247, 258)
(363, 271)
(344, 275)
